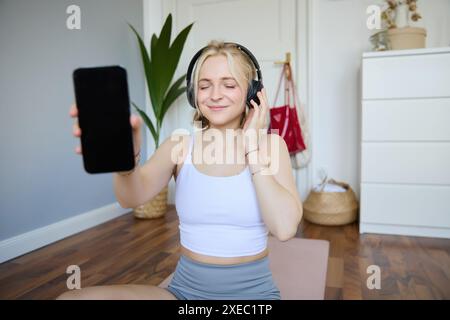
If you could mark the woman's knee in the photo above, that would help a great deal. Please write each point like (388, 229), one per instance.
(70, 295)
(88, 293)
(118, 292)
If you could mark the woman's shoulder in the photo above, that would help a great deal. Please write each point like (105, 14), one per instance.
(176, 143)
(177, 139)
(176, 146)
(267, 141)
(273, 140)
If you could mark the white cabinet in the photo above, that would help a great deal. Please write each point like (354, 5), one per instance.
(405, 143)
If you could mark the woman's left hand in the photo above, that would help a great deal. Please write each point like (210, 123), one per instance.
(256, 120)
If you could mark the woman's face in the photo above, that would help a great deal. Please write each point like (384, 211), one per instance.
(219, 96)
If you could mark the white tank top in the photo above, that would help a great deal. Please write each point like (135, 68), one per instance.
(219, 216)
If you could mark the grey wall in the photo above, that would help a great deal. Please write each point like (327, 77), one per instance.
(42, 180)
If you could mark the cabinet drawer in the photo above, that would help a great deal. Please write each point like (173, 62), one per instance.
(406, 120)
(406, 162)
(410, 205)
(414, 76)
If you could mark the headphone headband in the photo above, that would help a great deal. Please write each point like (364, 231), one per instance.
(197, 55)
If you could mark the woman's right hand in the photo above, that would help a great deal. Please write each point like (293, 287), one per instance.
(135, 122)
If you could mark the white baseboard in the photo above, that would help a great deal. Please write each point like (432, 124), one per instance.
(32, 240)
(413, 231)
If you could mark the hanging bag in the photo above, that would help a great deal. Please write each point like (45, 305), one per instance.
(285, 122)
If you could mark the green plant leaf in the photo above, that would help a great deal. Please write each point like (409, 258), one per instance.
(161, 53)
(151, 83)
(166, 32)
(147, 121)
(170, 58)
(176, 94)
(175, 51)
(144, 53)
(160, 65)
(155, 83)
(172, 95)
(153, 44)
(159, 62)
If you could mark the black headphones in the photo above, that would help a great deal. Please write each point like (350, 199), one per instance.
(255, 86)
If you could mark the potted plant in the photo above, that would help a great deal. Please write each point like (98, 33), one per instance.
(396, 18)
(159, 66)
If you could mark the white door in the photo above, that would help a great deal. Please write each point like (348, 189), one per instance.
(268, 28)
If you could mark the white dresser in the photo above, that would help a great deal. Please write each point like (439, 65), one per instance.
(405, 143)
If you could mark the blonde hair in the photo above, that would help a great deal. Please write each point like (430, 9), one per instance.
(240, 65)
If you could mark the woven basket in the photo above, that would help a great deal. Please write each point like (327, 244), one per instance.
(331, 208)
(154, 208)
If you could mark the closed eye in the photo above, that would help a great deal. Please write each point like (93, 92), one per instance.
(229, 87)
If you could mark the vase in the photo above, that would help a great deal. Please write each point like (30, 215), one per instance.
(406, 38)
(402, 16)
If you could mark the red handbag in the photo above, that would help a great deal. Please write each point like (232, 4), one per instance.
(284, 119)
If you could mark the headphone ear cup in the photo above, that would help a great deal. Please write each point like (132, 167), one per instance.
(253, 90)
(190, 96)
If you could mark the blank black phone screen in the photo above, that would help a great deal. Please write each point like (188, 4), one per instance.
(102, 99)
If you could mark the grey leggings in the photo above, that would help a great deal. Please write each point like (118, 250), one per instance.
(195, 280)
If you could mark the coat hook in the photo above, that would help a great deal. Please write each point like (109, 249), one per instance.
(287, 60)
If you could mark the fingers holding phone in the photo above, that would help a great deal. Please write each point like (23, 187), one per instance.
(109, 134)
(76, 131)
(136, 125)
(135, 121)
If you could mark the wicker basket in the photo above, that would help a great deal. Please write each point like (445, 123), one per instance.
(155, 208)
(331, 208)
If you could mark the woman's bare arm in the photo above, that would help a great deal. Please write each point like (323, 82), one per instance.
(150, 178)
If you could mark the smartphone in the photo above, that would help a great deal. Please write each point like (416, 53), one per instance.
(101, 95)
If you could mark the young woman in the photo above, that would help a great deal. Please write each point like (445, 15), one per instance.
(226, 208)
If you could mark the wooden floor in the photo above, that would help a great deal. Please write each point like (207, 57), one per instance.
(127, 250)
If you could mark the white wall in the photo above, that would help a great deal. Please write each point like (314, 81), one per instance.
(45, 193)
(338, 37)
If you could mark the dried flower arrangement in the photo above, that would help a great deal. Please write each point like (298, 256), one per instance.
(388, 15)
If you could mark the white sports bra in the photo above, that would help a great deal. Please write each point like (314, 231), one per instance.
(219, 216)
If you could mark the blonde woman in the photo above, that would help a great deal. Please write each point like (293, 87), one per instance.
(226, 208)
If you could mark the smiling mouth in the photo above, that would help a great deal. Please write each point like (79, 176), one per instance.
(217, 107)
